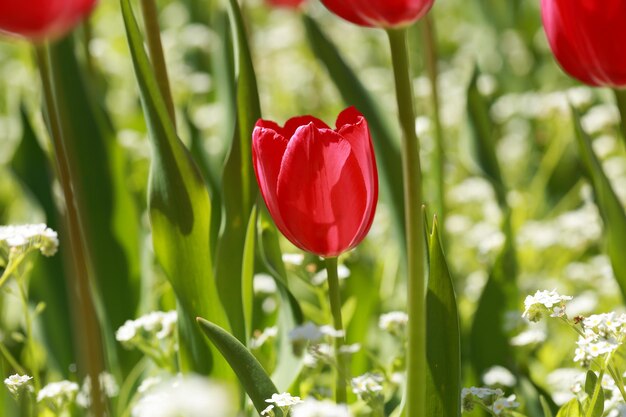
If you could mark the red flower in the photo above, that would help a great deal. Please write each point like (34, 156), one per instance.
(293, 4)
(380, 13)
(42, 19)
(588, 38)
(320, 185)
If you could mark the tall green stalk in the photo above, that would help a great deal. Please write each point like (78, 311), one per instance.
(335, 307)
(90, 344)
(429, 34)
(157, 57)
(416, 282)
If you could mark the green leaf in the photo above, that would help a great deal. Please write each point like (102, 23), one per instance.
(290, 314)
(354, 93)
(570, 409)
(547, 410)
(180, 213)
(443, 378)
(595, 402)
(251, 374)
(610, 206)
(239, 186)
(109, 219)
(484, 138)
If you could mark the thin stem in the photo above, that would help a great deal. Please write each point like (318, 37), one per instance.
(11, 268)
(620, 98)
(596, 393)
(80, 296)
(335, 307)
(157, 57)
(11, 360)
(618, 380)
(431, 53)
(30, 342)
(416, 352)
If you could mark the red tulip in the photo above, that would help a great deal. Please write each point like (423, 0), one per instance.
(42, 19)
(588, 38)
(380, 13)
(320, 185)
(293, 4)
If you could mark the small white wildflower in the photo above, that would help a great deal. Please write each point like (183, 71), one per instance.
(30, 236)
(264, 284)
(367, 385)
(551, 301)
(16, 384)
(529, 337)
(394, 322)
(283, 400)
(315, 408)
(126, 332)
(498, 375)
(332, 332)
(148, 383)
(108, 387)
(502, 404)
(168, 324)
(189, 396)
(58, 394)
(350, 349)
(308, 332)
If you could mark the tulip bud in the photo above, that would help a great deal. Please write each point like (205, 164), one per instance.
(380, 13)
(588, 38)
(320, 185)
(42, 19)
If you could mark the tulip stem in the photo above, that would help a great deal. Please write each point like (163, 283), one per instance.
(157, 58)
(620, 98)
(416, 288)
(82, 302)
(335, 307)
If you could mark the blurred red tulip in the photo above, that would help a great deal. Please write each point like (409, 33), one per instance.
(588, 38)
(42, 19)
(380, 13)
(320, 185)
(294, 4)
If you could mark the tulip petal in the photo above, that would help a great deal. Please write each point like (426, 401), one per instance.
(352, 126)
(268, 148)
(321, 191)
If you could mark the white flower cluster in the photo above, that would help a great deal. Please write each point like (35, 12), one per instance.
(323, 353)
(260, 338)
(368, 386)
(108, 386)
(29, 237)
(283, 401)
(394, 322)
(58, 395)
(602, 334)
(542, 302)
(309, 332)
(189, 396)
(315, 408)
(492, 399)
(16, 384)
(158, 323)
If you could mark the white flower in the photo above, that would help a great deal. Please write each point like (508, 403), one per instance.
(536, 305)
(157, 324)
(127, 332)
(284, 400)
(293, 258)
(189, 396)
(502, 404)
(342, 271)
(268, 411)
(315, 408)
(30, 236)
(264, 284)
(498, 375)
(350, 349)
(148, 383)
(60, 394)
(108, 386)
(17, 383)
(394, 322)
(261, 338)
(308, 332)
(332, 332)
(168, 324)
(529, 337)
(367, 385)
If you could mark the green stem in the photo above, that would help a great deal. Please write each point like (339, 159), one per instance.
(618, 380)
(620, 98)
(11, 268)
(30, 342)
(430, 44)
(416, 352)
(11, 360)
(596, 393)
(335, 307)
(157, 57)
(81, 298)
